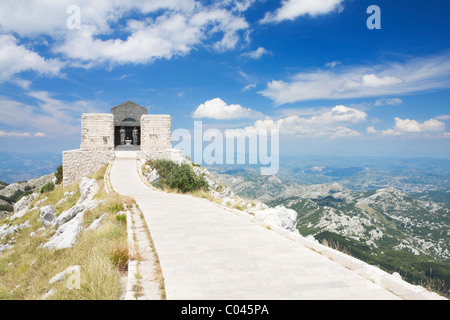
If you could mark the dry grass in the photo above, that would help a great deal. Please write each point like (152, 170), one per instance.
(102, 254)
(336, 246)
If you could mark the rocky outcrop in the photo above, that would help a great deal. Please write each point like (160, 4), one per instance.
(23, 206)
(67, 234)
(7, 232)
(70, 222)
(47, 215)
(278, 217)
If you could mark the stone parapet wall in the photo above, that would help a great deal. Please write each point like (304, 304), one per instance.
(82, 163)
(156, 133)
(97, 131)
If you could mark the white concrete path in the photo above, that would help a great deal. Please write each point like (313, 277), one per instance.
(207, 252)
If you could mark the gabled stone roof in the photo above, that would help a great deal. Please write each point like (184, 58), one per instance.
(128, 114)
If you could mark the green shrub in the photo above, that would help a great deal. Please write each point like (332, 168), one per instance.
(178, 177)
(48, 187)
(6, 207)
(16, 195)
(59, 174)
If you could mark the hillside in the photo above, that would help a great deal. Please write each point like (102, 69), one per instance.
(65, 243)
(385, 227)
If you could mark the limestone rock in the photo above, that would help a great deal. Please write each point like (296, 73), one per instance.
(279, 216)
(62, 275)
(96, 224)
(48, 215)
(69, 214)
(67, 234)
(88, 189)
(23, 206)
(153, 177)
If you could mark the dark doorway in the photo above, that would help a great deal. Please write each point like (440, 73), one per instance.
(128, 135)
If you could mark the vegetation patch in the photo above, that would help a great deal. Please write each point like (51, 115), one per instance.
(177, 177)
(102, 254)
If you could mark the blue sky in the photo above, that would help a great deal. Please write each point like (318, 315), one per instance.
(311, 69)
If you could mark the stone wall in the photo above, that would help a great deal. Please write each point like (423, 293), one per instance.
(82, 163)
(156, 134)
(97, 131)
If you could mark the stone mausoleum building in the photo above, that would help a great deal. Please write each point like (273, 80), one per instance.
(128, 127)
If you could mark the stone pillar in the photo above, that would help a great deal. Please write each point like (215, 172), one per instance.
(156, 134)
(97, 131)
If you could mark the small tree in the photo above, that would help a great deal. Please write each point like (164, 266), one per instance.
(59, 174)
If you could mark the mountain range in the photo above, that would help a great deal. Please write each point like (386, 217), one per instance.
(405, 232)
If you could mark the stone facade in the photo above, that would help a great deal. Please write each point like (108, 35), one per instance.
(156, 135)
(82, 163)
(97, 132)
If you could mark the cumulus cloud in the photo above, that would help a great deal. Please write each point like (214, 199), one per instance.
(168, 28)
(16, 58)
(432, 127)
(292, 9)
(172, 33)
(220, 110)
(414, 75)
(413, 126)
(331, 123)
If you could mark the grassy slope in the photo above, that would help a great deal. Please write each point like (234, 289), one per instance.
(25, 270)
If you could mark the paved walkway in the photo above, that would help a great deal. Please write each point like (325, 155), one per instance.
(207, 252)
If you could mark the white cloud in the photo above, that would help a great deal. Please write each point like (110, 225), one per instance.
(21, 134)
(390, 132)
(35, 17)
(331, 123)
(168, 28)
(15, 58)
(403, 127)
(256, 54)
(44, 114)
(387, 101)
(332, 64)
(292, 9)
(249, 86)
(419, 74)
(14, 134)
(371, 130)
(413, 126)
(443, 117)
(371, 80)
(172, 33)
(219, 109)
(345, 133)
